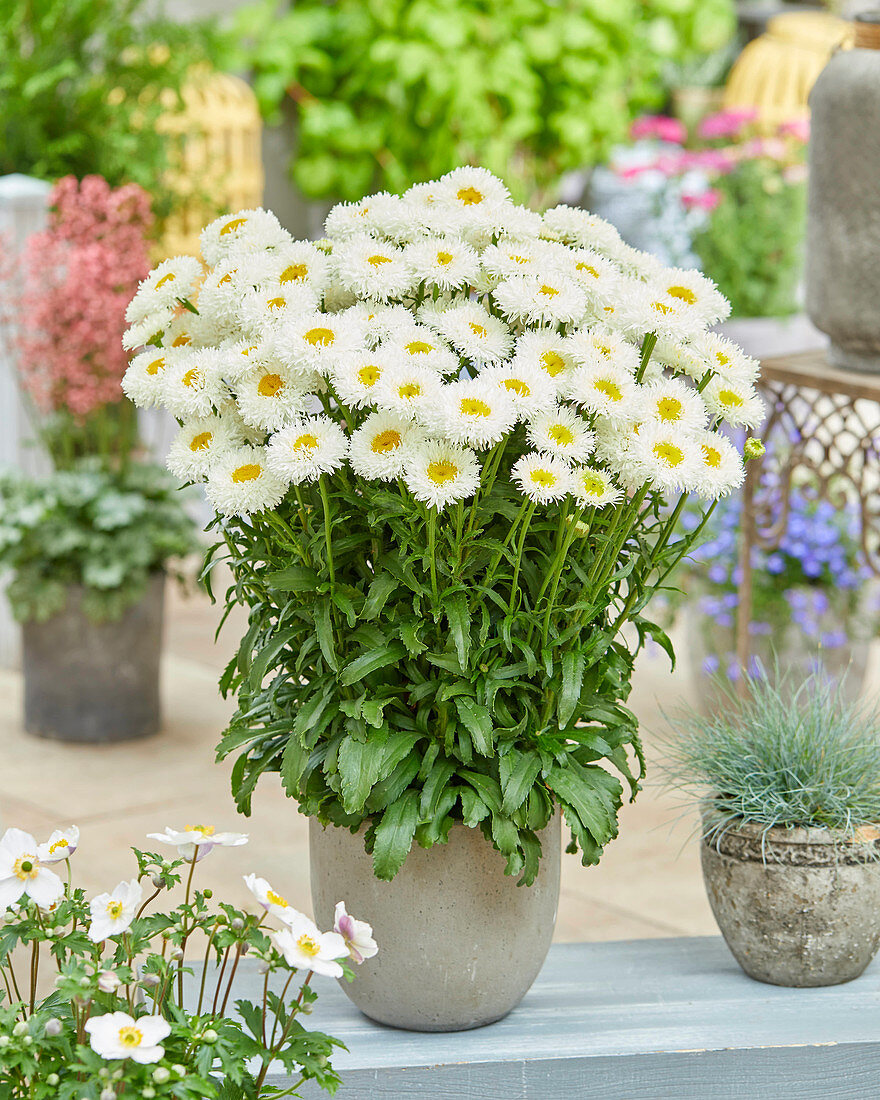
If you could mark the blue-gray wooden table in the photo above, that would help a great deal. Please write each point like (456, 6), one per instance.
(671, 1019)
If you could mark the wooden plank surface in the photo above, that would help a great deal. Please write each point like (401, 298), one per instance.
(811, 370)
(635, 1020)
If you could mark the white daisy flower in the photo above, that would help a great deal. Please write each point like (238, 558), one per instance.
(372, 268)
(357, 934)
(148, 331)
(531, 390)
(164, 288)
(670, 402)
(188, 330)
(198, 443)
(60, 845)
(473, 331)
(22, 872)
(681, 357)
(443, 261)
(593, 270)
(304, 947)
(379, 446)
(475, 194)
(316, 341)
(306, 449)
(701, 300)
(407, 389)
(246, 231)
(608, 390)
(613, 439)
(561, 432)
(419, 344)
(594, 488)
(143, 381)
(271, 901)
(546, 350)
(599, 346)
(581, 228)
(295, 264)
(548, 299)
(439, 473)
(635, 263)
(381, 213)
(721, 467)
(512, 257)
(198, 840)
(737, 403)
(668, 457)
(377, 320)
(261, 310)
(473, 412)
(112, 914)
(271, 396)
(725, 357)
(193, 383)
(355, 378)
(542, 478)
(521, 224)
(117, 1035)
(240, 482)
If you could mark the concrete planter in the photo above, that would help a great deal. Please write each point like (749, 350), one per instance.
(94, 682)
(459, 942)
(797, 907)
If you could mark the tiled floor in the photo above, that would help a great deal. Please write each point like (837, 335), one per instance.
(647, 885)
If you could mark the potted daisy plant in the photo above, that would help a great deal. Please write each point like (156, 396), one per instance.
(448, 447)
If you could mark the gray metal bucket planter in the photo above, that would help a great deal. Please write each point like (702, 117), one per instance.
(94, 682)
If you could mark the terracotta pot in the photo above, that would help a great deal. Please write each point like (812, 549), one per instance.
(459, 942)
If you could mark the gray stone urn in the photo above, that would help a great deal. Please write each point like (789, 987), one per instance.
(94, 682)
(797, 907)
(843, 222)
(459, 942)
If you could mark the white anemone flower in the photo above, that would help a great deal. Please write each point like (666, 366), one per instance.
(443, 261)
(199, 442)
(607, 390)
(306, 449)
(594, 488)
(379, 446)
(198, 840)
(118, 1035)
(408, 389)
(669, 401)
(580, 228)
(420, 345)
(668, 457)
(737, 403)
(542, 478)
(546, 350)
(562, 432)
(371, 268)
(545, 299)
(22, 872)
(245, 231)
(316, 341)
(240, 482)
(439, 473)
(599, 346)
(473, 412)
(165, 287)
(305, 947)
(720, 470)
(113, 913)
(272, 396)
(357, 934)
(271, 901)
(144, 379)
(193, 383)
(60, 845)
(530, 389)
(473, 331)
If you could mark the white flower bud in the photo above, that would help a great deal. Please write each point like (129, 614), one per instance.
(53, 1079)
(108, 982)
(150, 981)
(161, 1075)
(237, 923)
(148, 1093)
(53, 1027)
(179, 1070)
(262, 967)
(210, 1036)
(108, 1094)
(176, 954)
(20, 1029)
(156, 880)
(84, 983)
(26, 1040)
(4, 1041)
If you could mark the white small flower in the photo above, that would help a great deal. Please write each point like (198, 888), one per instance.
(271, 396)
(304, 947)
(473, 331)
(530, 389)
(294, 264)
(443, 261)
(60, 845)
(420, 345)
(668, 457)
(581, 228)
(148, 331)
(438, 473)
(379, 446)
(246, 231)
(596, 274)
(607, 390)
(512, 257)
(164, 288)
(198, 839)
(542, 478)
(726, 358)
(477, 199)
(473, 412)
(356, 377)
(378, 321)
(372, 268)
(198, 444)
(408, 389)
(681, 357)
(599, 346)
(561, 432)
(737, 403)
(720, 470)
(193, 383)
(381, 213)
(545, 350)
(548, 298)
(143, 381)
(357, 934)
(272, 902)
(698, 298)
(594, 488)
(22, 872)
(262, 310)
(317, 341)
(118, 1035)
(113, 913)
(306, 449)
(672, 403)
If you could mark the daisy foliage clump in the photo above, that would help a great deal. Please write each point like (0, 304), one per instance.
(448, 446)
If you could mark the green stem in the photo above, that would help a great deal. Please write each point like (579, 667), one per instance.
(432, 546)
(556, 573)
(648, 345)
(322, 488)
(519, 553)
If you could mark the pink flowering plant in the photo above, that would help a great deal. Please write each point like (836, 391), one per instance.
(127, 1013)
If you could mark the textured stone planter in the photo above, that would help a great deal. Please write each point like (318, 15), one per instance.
(94, 682)
(797, 907)
(459, 942)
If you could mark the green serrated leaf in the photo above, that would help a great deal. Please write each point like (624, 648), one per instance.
(572, 680)
(478, 723)
(521, 781)
(394, 835)
(381, 588)
(459, 618)
(362, 666)
(358, 763)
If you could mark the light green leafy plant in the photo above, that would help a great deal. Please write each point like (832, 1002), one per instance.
(390, 92)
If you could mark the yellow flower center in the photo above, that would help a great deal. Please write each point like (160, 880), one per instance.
(169, 278)
(592, 485)
(548, 291)
(227, 278)
(246, 351)
(729, 397)
(369, 375)
(473, 406)
(249, 472)
(409, 390)
(608, 389)
(722, 358)
(521, 259)
(294, 273)
(470, 196)
(308, 946)
(276, 303)
(603, 350)
(590, 270)
(419, 347)
(277, 899)
(478, 330)
(181, 341)
(205, 830)
(270, 385)
(154, 367)
(378, 260)
(201, 441)
(192, 379)
(62, 843)
(131, 1036)
(322, 337)
(26, 866)
(661, 307)
(668, 452)
(561, 434)
(444, 258)
(683, 293)
(231, 226)
(305, 442)
(442, 471)
(669, 408)
(545, 478)
(553, 363)
(386, 441)
(114, 909)
(517, 386)
(711, 456)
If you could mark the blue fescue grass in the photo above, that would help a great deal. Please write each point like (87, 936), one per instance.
(783, 755)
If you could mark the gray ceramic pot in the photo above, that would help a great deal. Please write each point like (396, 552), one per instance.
(459, 942)
(797, 907)
(94, 682)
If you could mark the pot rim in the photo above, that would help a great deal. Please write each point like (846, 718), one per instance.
(779, 835)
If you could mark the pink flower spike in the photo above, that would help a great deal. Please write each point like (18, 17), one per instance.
(797, 128)
(725, 124)
(705, 200)
(659, 127)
